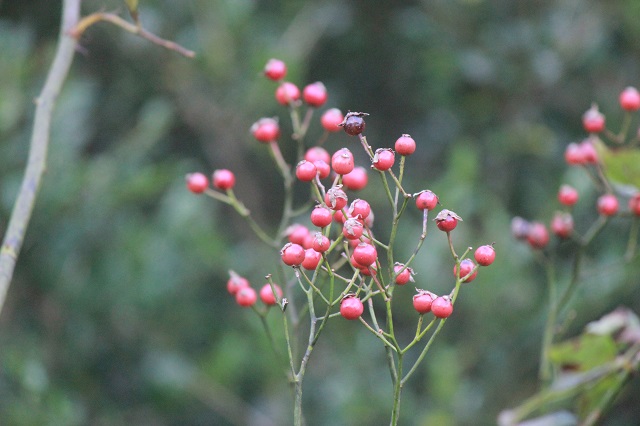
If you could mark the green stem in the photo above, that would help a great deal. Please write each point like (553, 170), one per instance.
(397, 393)
(546, 373)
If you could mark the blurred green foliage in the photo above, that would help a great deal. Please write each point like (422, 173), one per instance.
(118, 312)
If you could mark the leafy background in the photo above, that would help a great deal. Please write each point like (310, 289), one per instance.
(118, 312)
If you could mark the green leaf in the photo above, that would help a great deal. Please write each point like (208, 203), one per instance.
(621, 165)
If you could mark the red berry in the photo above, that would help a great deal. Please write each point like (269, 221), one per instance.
(323, 168)
(442, 307)
(608, 205)
(267, 296)
(275, 69)
(306, 171)
(634, 204)
(356, 179)
(574, 155)
(246, 296)
(197, 182)
(466, 266)
(562, 224)
(383, 159)
(368, 270)
(447, 220)
(311, 259)
(405, 145)
(331, 120)
(589, 152)
(630, 99)
(236, 282)
(423, 301)
(335, 198)
(297, 233)
(266, 130)
(339, 217)
(567, 195)
(352, 229)
(351, 307)
(320, 243)
(537, 235)
(402, 277)
(316, 153)
(485, 255)
(315, 94)
(593, 121)
(292, 254)
(353, 123)
(360, 208)
(223, 179)
(365, 254)
(426, 200)
(342, 161)
(287, 93)
(321, 216)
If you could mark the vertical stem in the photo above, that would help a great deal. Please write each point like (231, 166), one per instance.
(397, 393)
(549, 329)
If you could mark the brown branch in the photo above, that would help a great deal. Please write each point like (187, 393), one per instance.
(36, 163)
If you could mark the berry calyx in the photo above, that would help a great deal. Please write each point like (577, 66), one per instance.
(426, 200)
(351, 307)
(306, 171)
(359, 208)
(320, 243)
(608, 205)
(266, 130)
(287, 93)
(246, 297)
(403, 275)
(567, 195)
(311, 259)
(447, 220)
(562, 224)
(223, 179)
(442, 307)
(353, 123)
(630, 99)
(593, 120)
(331, 120)
(335, 198)
(275, 69)
(292, 254)
(365, 254)
(466, 266)
(321, 216)
(197, 182)
(352, 229)
(537, 235)
(485, 255)
(383, 159)
(405, 145)
(342, 161)
(315, 94)
(267, 296)
(236, 282)
(423, 301)
(356, 179)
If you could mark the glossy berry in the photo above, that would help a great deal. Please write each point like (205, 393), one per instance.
(342, 161)
(292, 254)
(317, 153)
(365, 254)
(383, 159)
(320, 243)
(197, 182)
(562, 224)
(297, 233)
(466, 266)
(287, 93)
(335, 198)
(266, 130)
(423, 301)
(537, 235)
(311, 259)
(567, 195)
(356, 179)
(608, 205)
(485, 255)
(315, 94)
(321, 216)
(353, 123)
(323, 168)
(447, 220)
(426, 200)
(403, 276)
(236, 282)
(223, 179)
(246, 297)
(306, 171)
(331, 120)
(630, 99)
(267, 296)
(634, 204)
(351, 307)
(442, 307)
(593, 120)
(359, 208)
(405, 145)
(275, 69)
(352, 229)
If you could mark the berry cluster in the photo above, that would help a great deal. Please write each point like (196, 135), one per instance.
(331, 256)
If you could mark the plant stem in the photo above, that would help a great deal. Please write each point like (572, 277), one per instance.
(397, 392)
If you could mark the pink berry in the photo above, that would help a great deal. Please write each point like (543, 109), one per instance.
(266, 130)
(442, 307)
(589, 152)
(447, 220)
(321, 216)
(236, 282)
(405, 145)
(383, 159)
(306, 171)
(352, 229)
(292, 254)
(323, 168)
(368, 270)
(287, 93)
(316, 153)
(297, 233)
(634, 204)
(311, 259)
(335, 198)
(267, 296)
(608, 205)
(593, 121)
(223, 179)
(351, 307)
(342, 161)
(315, 94)
(246, 297)
(320, 243)
(466, 266)
(567, 195)
(630, 99)
(403, 276)
(353, 123)
(359, 208)
(197, 182)
(426, 200)
(365, 254)
(537, 235)
(485, 255)
(331, 120)
(275, 69)
(574, 155)
(339, 217)
(423, 301)
(356, 179)
(562, 224)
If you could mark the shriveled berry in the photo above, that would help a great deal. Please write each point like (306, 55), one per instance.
(423, 301)
(342, 161)
(321, 216)
(223, 179)
(426, 200)
(331, 120)
(537, 235)
(568, 195)
(292, 254)
(383, 159)
(236, 282)
(336, 198)
(287, 93)
(197, 182)
(608, 205)
(403, 275)
(466, 266)
(562, 224)
(353, 123)
(267, 296)
(593, 120)
(405, 145)
(485, 255)
(351, 307)
(356, 179)
(630, 99)
(447, 220)
(365, 254)
(246, 297)
(306, 171)
(275, 69)
(442, 307)
(311, 259)
(315, 94)
(266, 130)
